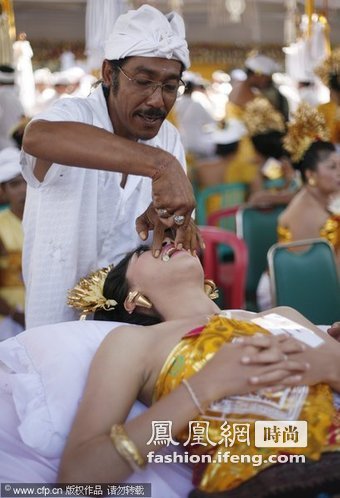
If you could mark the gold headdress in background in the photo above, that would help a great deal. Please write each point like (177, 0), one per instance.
(87, 296)
(306, 127)
(330, 66)
(261, 117)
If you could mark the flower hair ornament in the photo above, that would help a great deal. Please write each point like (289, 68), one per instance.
(261, 117)
(87, 296)
(329, 67)
(306, 127)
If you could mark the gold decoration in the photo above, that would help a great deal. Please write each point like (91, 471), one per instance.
(139, 300)
(87, 296)
(261, 117)
(306, 127)
(126, 447)
(331, 65)
(210, 289)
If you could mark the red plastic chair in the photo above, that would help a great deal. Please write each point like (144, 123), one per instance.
(217, 216)
(229, 277)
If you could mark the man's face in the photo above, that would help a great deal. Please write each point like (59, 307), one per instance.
(137, 110)
(262, 81)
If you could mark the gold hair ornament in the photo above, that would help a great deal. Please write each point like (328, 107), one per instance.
(330, 66)
(210, 289)
(87, 296)
(261, 117)
(307, 126)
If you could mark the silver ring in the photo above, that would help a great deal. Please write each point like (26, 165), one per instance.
(179, 219)
(163, 213)
(285, 357)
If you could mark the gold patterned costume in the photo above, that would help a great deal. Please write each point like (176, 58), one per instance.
(242, 168)
(11, 283)
(329, 231)
(316, 404)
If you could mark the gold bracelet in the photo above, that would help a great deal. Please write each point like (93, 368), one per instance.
(193, 396)
(126, 448)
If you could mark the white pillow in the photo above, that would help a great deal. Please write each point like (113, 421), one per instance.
(47, 371)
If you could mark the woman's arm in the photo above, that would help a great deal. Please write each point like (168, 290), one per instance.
(117, 375)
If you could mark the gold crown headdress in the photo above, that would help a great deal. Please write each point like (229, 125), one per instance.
(87, 296)
(261, 117)
(331, 65)
(307, 126)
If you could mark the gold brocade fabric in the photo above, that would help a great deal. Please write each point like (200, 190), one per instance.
(189, 356)
(242, 167)
(284, 234)
(11, 282)
(331, 113)
(329, 231)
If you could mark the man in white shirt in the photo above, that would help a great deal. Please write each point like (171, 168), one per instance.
(11, 110)
(94, 165)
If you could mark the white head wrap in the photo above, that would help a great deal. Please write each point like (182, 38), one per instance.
(233, 132)
(9, 164)
(261, 64)
(146, 32)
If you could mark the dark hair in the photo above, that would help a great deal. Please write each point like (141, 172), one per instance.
(4, 68)
(116, 287)
(249, 72)
(334, 81)
(224, 150)
(269, 144)
(115, 64)
(317, 152)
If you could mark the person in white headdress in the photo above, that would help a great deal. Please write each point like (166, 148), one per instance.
(24, 77)
(258, 71)
(195, 123)
(45, 94)
(95, 165)
(11, 109)
(12, 294)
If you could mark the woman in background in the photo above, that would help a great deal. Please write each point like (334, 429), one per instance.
(311, 213)
(275, 182)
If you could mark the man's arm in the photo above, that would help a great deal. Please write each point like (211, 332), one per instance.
(86, 146)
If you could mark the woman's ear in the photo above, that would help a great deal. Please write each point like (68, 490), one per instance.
(136, 298)
(310, 177)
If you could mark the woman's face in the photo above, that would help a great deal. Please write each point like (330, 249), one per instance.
(149, 274)
(327, 174)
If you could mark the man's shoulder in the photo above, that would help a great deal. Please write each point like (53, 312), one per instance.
(168, 133)
(82, 108)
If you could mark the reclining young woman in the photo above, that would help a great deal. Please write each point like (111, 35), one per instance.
(188, 339)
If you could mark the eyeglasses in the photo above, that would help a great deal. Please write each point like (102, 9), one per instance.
(148, 87)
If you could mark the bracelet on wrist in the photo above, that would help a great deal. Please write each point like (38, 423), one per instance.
(193, 396)
(126, 447)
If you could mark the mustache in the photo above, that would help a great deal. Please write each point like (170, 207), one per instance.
(153, 113)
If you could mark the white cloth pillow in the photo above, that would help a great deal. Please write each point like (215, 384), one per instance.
(47, 371)
(43, 372)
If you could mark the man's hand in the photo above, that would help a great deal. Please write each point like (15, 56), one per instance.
(190, 237)
(173, 194)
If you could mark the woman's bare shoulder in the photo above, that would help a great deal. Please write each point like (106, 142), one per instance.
(137, 337)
